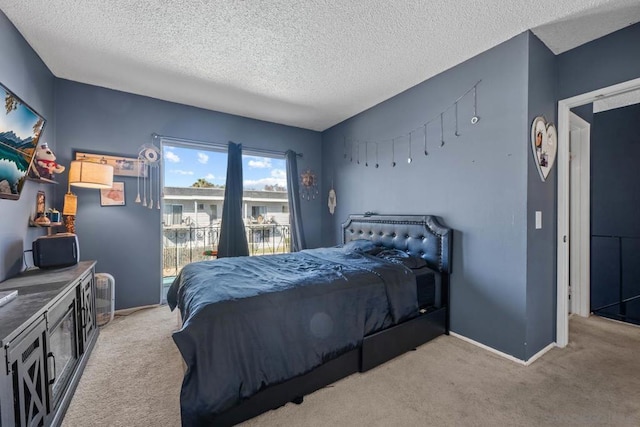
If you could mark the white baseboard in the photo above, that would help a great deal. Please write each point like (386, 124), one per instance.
(505, 355)
(539, 354)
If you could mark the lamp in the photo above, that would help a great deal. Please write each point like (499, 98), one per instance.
(90, 174)
(87, 175)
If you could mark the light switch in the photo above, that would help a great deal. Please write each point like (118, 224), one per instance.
(538, 220)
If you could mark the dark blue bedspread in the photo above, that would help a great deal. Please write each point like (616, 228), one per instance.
(250, 322)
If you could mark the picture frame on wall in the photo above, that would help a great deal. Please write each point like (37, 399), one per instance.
(40, 204)
(20, 130)
(122, 165)
(113, 196)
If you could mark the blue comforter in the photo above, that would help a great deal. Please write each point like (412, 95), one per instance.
(250, 322)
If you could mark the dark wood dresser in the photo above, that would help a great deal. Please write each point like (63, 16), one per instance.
(46, 334)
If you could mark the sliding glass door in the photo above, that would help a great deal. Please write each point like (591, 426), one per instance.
(194, 179)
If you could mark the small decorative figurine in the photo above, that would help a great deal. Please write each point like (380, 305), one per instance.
(45, 162)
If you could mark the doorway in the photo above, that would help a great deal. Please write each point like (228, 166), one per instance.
(565, 200)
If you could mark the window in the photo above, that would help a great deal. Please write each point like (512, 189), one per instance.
(194, 178)
(173, 214)
(257, 211)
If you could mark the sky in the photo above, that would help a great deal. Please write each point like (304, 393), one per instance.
(20, 120)
(184, 166)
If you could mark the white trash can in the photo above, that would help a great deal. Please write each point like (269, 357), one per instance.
(105, 298)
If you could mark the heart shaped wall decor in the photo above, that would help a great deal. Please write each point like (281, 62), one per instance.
(544, 145)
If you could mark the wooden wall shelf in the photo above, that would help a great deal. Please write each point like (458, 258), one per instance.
(42, 180)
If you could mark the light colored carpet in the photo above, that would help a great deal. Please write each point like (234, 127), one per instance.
(134, 374)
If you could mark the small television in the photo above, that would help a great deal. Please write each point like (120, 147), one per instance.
(20, 131)
(56, 251)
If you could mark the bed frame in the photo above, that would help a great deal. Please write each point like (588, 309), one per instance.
(419, 235)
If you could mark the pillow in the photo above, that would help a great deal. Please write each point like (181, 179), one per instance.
(401, 257)
(362, 245)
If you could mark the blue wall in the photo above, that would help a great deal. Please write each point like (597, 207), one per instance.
(541, 196)
(603, 62)
(24, 74)
(475, 183)
(126, 240)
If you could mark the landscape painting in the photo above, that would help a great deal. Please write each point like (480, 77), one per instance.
(20, 130)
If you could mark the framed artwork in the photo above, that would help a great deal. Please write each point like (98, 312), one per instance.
(544, 145)
(20, 130)
(122, 165)
(113, 196)
(40, 204)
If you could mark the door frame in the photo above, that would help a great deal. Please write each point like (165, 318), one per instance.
(580, 212)
(564, 199)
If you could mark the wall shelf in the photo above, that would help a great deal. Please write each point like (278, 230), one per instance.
(52, 224)
(42, 180)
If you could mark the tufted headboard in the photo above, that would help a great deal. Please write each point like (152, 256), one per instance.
(418, 235)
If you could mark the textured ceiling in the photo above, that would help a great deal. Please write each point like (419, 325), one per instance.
(305, 63)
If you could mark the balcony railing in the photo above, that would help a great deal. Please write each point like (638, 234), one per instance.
(184, 244)
(621, 303)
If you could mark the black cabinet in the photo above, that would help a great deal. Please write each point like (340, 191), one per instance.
(46, 336)
(87, 310)
(63, 349)
(26, 370)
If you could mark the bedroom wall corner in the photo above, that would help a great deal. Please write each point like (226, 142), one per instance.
(24, 73)
(541, 197)
(475, 183)
(126, 240)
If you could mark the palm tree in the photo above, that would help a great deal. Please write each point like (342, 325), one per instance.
(202, 183)
(10, 103)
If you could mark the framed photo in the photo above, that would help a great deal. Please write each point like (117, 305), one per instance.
(113, 196)
(20, 131)
(40, 204)
(122, 165)
(544, 145)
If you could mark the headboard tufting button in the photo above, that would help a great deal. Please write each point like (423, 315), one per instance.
(393, 234)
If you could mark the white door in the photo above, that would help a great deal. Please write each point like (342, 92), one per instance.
(579, 208)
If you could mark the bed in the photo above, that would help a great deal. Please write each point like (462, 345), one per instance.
(259, 332)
